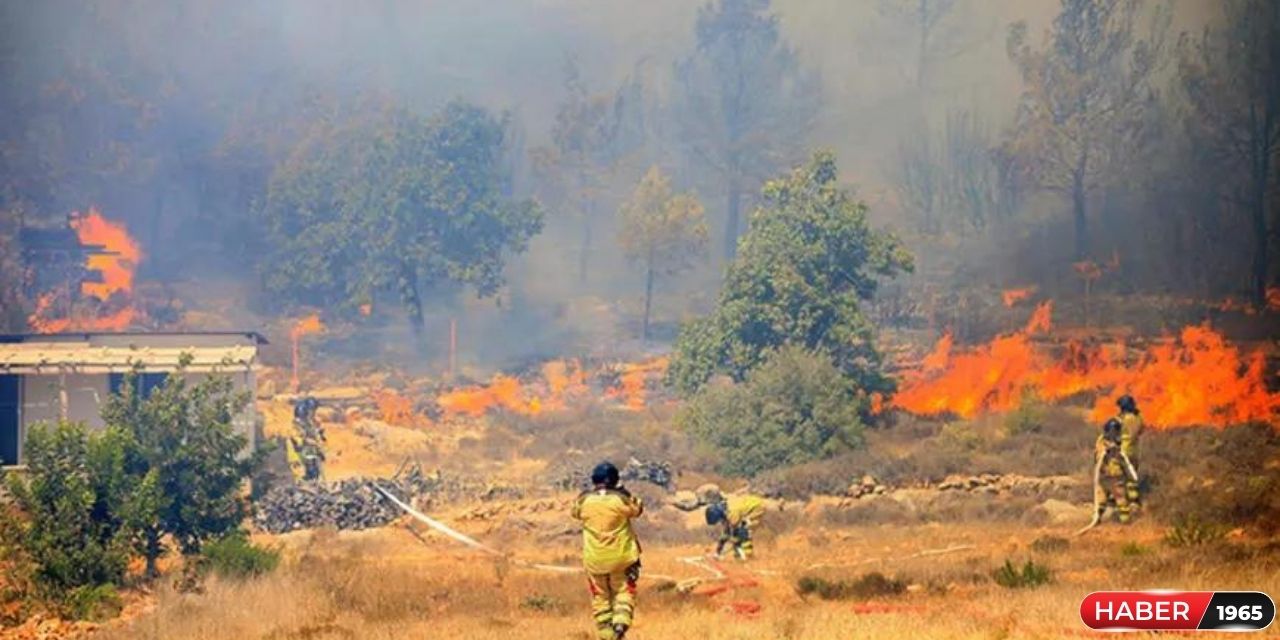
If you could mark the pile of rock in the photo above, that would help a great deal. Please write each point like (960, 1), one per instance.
(1012, 483)
(348, 504)
(867, 486)
(692, 500)
(651, 471)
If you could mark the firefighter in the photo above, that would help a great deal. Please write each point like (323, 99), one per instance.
(737, 516)
(308, 443)
(1130, 430)
(1111, 474)
(610, 550)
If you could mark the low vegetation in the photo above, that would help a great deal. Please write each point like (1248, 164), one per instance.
(866, 586)
(1030, 574)
(91, 501)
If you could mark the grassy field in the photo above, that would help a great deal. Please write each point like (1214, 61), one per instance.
(390, 584)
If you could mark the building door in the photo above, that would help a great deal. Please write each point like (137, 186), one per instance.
(10, 431)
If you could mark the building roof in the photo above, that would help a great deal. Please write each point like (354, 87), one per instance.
(6, 338)
(118, 353)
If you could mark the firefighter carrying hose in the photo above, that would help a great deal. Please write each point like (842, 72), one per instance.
(1130, 430)
(737, 516)
(610, 550)
(1112, 474)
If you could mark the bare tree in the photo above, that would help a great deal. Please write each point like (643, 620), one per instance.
(1085, 93)
(744, 102)
(1231, 78)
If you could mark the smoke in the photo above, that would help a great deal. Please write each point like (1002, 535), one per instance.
(170, 115)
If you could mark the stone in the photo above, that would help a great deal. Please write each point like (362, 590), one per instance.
(684, 500)
(708, 493)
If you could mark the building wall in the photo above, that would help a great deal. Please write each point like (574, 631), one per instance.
(86, 393)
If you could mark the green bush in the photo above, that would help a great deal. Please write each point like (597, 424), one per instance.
(1191, 531)
(70, 550)
(870, 585)
(1031, 574)
(234, 556)
(1028, 417)
(794, 408)
(91, 602)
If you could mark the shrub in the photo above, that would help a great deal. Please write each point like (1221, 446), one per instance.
(91, 602)
(1133, 550)
(960, 436)
(794, 408)
(1028, 417)
(1191, 531)
(542, 602)
(234, 556)
(1031, 574)
(70, 549)
(1050, 544)
(869, 585)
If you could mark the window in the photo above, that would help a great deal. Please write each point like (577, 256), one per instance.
(145, 383)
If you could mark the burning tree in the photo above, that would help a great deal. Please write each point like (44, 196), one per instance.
(804, 270)
(396, 203)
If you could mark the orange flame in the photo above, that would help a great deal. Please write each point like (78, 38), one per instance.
(1014, 296)
(633, 381)
(503, 392)
(1197, 378)
(395, 409)
(112, 306)
(117, 270)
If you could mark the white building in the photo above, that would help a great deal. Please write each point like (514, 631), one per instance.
(70, 375)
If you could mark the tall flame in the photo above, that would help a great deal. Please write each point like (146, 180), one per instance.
(117, 269)
(1196, 378)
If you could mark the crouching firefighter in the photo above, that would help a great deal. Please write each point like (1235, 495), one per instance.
(737, 516)
(610, 550)
(1113, 473)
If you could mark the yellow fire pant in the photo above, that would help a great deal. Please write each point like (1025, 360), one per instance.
(613, 599)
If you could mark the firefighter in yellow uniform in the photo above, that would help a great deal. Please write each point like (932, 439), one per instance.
(737, 516)
(1130, 430)
(610, 550)
(1111, 474)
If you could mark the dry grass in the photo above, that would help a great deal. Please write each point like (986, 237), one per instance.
(386, 584)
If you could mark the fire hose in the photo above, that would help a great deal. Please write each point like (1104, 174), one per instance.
(463, 538)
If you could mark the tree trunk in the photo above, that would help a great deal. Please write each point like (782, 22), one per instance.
(648, 297)
(1078, 195)
(412, 299)
(152, 552)
(1261, 261)
(584, 250)
(733, 220)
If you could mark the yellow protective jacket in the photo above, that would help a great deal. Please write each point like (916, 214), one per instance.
(744, 509)
(608, 542)
(1130, 428)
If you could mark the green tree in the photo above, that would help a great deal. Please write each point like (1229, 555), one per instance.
(1086, 97)
(808, 262)
(663, 231)
(795, 407)
(743, 102)
(1231, 78)
(73, 547)
(394, 202)
(184, 462)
